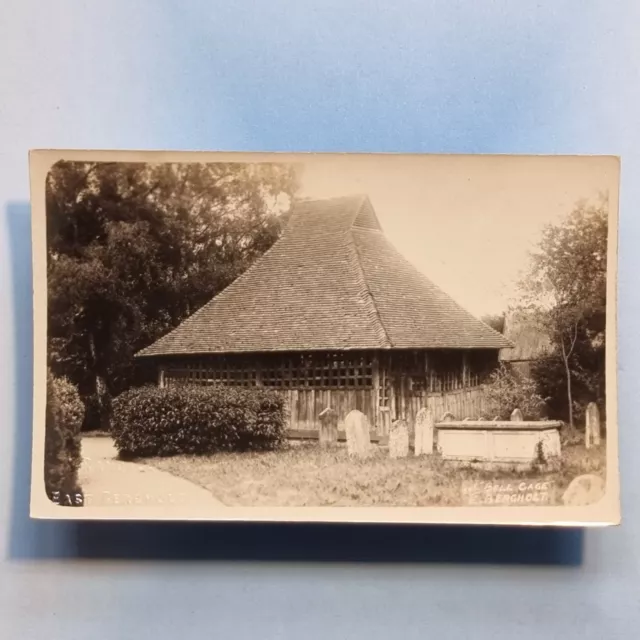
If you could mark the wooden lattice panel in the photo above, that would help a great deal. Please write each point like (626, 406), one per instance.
(288, 371)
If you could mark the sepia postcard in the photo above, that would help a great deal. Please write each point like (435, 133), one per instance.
(312, 337)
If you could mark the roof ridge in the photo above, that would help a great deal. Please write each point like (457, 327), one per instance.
(369, 300)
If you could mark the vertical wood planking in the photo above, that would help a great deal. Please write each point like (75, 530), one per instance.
(305, 405)
(375, 392)
(467, 403)
(296, 411)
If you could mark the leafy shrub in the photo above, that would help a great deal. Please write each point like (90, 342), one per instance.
(64, 415)
(151, 421)
(508, 389)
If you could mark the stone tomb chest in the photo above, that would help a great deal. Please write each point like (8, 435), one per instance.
(503, 442)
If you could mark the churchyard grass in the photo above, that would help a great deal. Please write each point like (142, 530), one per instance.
(308, 475)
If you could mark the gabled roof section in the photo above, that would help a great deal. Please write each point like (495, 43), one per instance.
(332, 282)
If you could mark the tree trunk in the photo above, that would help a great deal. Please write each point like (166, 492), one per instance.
(565, 359)
(104, 403)
(569, 398)
(102, 397)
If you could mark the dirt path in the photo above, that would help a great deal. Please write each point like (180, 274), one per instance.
(107, 481)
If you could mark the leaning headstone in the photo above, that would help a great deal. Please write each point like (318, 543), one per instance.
(358, 439)
(592, 426)
(516, 416)
(328, 433)
(424, 432)
(448, 417)
(584, 490)
(399, 439)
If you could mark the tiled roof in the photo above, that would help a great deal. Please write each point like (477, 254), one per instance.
(332, 282)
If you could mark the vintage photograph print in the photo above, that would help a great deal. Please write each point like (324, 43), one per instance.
(325, 337)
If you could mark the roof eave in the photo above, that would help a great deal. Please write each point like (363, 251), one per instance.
(169, 354)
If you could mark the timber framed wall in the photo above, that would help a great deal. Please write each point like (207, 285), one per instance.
(383, 384)
(320, 370)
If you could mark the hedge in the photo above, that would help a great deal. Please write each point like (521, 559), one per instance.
(153, 421)
(64, 415)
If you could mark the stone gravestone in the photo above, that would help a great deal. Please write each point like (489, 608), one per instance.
(592, 427)
(399, 439)
(516, 416)
(328, 433)
(424, 432)
(358, 439)
(584, 490)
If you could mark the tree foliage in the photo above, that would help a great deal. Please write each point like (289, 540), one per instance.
(135, 248)
(507, 390)
(566, 289)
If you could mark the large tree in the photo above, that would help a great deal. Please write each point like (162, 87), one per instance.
(133, 249)
(566, 289)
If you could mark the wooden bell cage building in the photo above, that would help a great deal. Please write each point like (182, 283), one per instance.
(333, 316)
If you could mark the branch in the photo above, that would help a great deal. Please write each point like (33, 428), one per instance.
(144, 195)
(565, 357)
(83, 182)
(575, 337)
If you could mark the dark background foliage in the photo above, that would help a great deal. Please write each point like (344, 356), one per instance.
(587, 381)
(133, 249)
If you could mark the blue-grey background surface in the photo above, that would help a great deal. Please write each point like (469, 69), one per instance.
(558, 76)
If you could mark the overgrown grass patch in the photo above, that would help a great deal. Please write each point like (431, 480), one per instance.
(306, 475)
